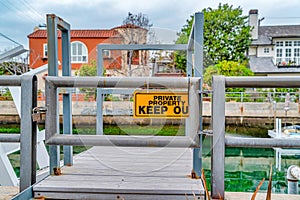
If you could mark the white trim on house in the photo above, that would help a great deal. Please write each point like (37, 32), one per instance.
(45, 50)
(79, 52)
(287, 51)
(274, 49)
(265, 51)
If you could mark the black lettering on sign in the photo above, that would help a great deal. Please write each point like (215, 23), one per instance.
(181, 110)
(148, 110)
(186, 110)
(161, 105)
(177, 109)
(141, 110)
(156, 110)
(164, 109)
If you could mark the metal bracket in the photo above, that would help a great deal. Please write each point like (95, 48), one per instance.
(207, 132)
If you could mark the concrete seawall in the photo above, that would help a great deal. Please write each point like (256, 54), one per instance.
(117, 112)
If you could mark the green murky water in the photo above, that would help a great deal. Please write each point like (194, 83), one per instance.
(244, 167)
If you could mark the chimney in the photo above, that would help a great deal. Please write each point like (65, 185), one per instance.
(36, 28)
(253, 22)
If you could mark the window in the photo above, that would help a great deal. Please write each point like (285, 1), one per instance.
(297, 52)
(78, 52)
(287, 52)
(278, 56)
(288, 43)
(279, 44)
(297, 56)
(266, 50)
(278, 52)
(45, 51)
(106, 53)
(288, 55)
(297, 43)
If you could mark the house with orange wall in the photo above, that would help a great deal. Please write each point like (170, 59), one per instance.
(84, 50)
(83, 47)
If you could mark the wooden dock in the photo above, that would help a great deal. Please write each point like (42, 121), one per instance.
(125, 173)
(8, 192)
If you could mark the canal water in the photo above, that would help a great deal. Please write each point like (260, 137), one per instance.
(244, 167)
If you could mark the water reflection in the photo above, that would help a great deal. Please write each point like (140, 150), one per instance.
(246, 167)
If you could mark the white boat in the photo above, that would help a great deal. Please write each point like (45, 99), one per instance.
(291, 131)
(284, 132)
(287, 132)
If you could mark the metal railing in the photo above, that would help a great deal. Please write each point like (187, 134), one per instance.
(219, 140)
(55, 23)
(247, 96)
(194, 68)
(257, 96)
(53, 137)
(28, 136)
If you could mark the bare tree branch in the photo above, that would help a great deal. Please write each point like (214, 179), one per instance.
(135, 30)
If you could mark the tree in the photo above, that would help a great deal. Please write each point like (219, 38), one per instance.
(226, 34)
(226, 68)
(88, 69)
(134, 31)
(138, 25)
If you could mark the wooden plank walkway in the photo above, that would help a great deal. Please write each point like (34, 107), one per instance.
(7, 192)
(125, 173)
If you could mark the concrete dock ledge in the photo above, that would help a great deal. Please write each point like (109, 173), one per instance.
(259, 196)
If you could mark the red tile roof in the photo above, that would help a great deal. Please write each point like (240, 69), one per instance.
(79, 34)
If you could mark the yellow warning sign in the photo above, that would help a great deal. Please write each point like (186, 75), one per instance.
(160, 104)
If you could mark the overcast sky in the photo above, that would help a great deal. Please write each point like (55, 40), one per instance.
(18, 18)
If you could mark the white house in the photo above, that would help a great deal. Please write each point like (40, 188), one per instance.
(275, 50)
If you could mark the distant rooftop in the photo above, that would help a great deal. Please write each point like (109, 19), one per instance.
(262, 65)
(79, 34)
(267, 33)
(280, 31)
